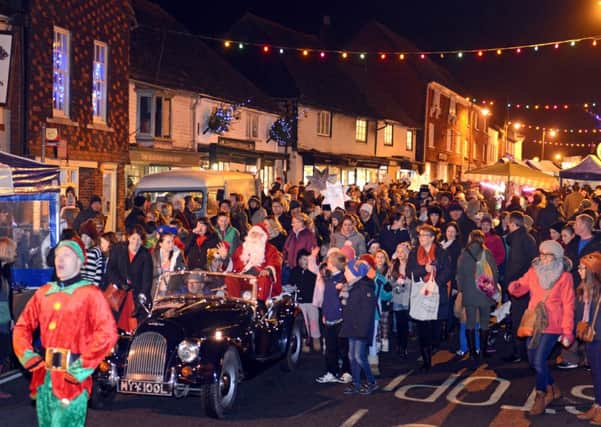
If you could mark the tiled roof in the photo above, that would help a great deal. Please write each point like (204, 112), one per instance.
(316, 82)
(169, 56)
(397, 89)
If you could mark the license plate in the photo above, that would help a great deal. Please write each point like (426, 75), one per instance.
(145, 387)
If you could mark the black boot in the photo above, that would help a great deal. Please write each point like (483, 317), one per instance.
(484, 343)
(471, 344)
(427, 358)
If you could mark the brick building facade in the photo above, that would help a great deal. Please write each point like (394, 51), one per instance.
(76, 60)
(456, 134)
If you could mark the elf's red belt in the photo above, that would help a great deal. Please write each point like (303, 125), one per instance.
(59, 358)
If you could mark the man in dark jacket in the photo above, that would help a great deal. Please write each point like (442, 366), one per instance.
(394, 234)
(522, 250)
(322, 225)
(466, 225)
(136, 216)
(93, 211)
(548, 216)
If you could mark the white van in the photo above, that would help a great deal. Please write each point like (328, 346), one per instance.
(207, 187)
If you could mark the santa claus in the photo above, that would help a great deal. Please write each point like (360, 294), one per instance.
(259, 258)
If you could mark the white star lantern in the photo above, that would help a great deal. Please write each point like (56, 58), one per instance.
(334, 195)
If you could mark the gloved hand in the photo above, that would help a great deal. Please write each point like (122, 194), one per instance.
(35, 363)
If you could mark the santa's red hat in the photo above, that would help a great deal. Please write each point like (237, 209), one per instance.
(259, 228)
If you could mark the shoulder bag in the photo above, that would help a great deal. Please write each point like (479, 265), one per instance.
(585, 331)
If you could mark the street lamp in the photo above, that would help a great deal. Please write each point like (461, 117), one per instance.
(552, 134)
(558, 157)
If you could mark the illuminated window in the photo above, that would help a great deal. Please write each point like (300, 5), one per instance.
(361, 130)
(60, 72)
(409, 141)
(252, 126)
(324, 123)
(99, 81)
(388, 135)
(431, 135)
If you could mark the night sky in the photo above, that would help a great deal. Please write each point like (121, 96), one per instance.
(566, 75)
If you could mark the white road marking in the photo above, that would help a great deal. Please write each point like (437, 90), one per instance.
(396, 381)
(354, 419)
(10, 378)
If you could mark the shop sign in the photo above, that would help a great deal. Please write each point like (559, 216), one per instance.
(237, 143)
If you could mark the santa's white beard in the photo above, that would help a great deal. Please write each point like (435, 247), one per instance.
(253, 252)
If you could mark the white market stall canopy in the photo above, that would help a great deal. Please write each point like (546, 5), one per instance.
(512, 172)
(545, 166)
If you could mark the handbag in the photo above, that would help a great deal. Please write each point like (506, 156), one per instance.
(425, 298)
(585, 331)
(528, 322)
(115, 296)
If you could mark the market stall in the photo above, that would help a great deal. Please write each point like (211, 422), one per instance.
(589, 169)
(545, 166)
(29, 210)
(507, 176)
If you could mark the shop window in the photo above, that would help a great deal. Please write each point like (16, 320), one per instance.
(61, 62)
(361, 130)
(388, 134)
(324, 123)
(99, 73)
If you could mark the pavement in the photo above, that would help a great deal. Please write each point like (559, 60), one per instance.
(454, 393)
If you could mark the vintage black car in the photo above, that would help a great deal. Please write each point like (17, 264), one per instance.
(200, 340)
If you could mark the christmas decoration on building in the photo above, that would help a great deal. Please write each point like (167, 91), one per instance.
(221, 119)
(522, 125)
(281, 131)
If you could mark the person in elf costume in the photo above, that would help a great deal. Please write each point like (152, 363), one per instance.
(77, 330)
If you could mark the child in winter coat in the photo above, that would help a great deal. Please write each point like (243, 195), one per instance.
(330, 281)
(359, 302)
(304, 281)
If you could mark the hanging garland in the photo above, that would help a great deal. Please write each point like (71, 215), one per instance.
(281, 132)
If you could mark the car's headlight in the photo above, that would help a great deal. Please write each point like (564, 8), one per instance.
(188, 351)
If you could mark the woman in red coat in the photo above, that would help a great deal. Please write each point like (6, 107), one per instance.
(549, 283)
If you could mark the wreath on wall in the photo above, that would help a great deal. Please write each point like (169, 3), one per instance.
(281, 132)
(221, 119)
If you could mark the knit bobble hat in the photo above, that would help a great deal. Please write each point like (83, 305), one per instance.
(551, 247)
(348, 251)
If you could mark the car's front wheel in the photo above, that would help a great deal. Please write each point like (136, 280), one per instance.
(102, 395)
(219, 398)
(293, 353)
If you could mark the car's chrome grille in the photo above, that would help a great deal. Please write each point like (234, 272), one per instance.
(146, 359)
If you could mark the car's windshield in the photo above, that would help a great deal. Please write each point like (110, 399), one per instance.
(201, 284)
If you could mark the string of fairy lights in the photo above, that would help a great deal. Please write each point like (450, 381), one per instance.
(386, 54)
(401, 55)
(383, 55)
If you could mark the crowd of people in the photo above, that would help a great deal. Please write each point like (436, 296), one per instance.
(356, 270)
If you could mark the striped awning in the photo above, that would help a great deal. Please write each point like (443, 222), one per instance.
(20, 175)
